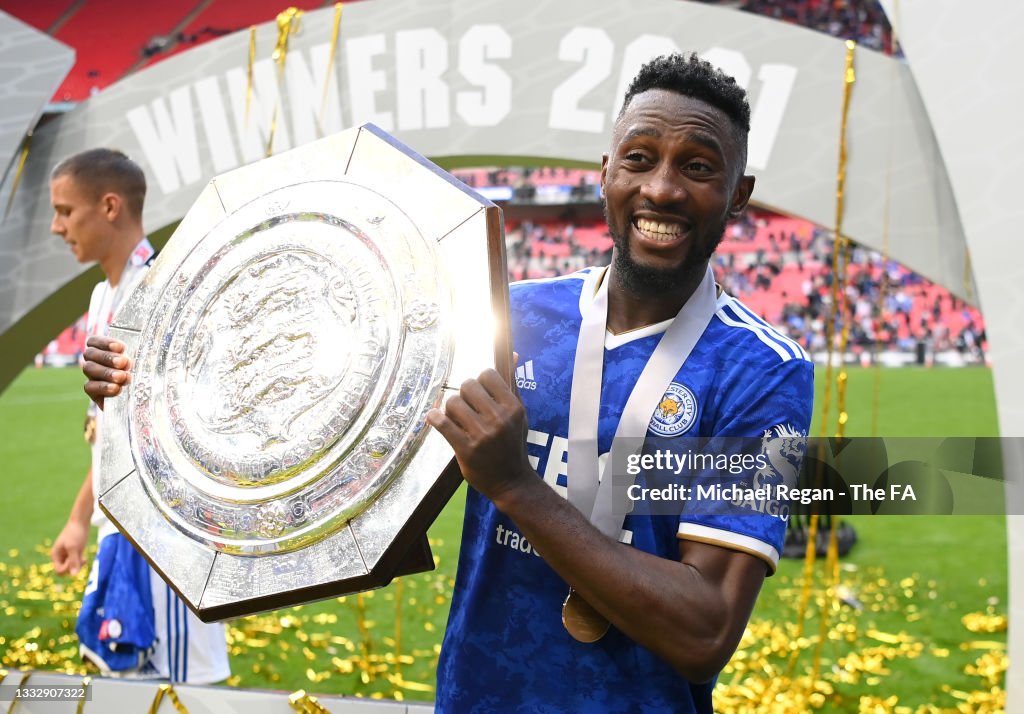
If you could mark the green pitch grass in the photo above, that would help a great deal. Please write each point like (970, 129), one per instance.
(909, 581)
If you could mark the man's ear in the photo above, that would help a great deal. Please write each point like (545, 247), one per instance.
(740, 197)
(604, 170)
(112, 204)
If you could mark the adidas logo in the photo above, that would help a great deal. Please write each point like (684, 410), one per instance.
(524, 376)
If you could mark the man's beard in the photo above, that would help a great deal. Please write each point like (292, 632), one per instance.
(645, 280)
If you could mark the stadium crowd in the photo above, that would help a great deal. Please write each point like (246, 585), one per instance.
(784, 275)
(782, 269)
(860, 20)
(540, 250)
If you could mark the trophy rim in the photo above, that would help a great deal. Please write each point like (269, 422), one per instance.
(375, 553)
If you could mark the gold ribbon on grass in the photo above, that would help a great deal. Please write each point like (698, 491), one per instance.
(305, 703)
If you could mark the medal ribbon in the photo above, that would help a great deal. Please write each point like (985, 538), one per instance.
(603, 502)
(142, 253)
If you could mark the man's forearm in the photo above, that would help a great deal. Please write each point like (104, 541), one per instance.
(690, 615)
(81, 509)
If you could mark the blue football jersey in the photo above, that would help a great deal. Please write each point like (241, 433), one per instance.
(115, 625)
(505, 648)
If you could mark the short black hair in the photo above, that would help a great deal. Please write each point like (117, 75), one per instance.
(694, 77)
(99, 171)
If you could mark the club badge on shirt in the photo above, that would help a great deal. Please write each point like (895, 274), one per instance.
(676, 412)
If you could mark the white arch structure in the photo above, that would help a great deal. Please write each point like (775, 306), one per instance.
(493, 82)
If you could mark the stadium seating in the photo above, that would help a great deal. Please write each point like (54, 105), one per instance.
(41, 15)
(142, 38)
(166, 28)
(91, 28)
(222, 17)
(113, 37)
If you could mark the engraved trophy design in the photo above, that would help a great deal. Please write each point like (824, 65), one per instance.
(287, 344)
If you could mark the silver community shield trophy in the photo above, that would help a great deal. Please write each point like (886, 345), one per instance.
(271, 448)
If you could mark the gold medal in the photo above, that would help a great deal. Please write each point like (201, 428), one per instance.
(581, 620)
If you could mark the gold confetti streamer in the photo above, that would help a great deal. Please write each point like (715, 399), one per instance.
(968, 276)
(838, 310)
(399, 587)
(831, 602)
(840, 249)
(86, 681)
(398, 681)
(335, 33)
(168, 691)
(985, 622)
(305, 703)
(21, 683)
(841, 243)
(867, 652)
(249, 71)
(883, 283)
(22, 158)
(287, 23)
(983, 645)
(365, 645)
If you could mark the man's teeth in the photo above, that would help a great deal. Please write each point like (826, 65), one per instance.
(659, 230)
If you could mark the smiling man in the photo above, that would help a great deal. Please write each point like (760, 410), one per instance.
(559, 605)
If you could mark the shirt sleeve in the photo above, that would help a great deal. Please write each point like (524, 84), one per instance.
(758, 444)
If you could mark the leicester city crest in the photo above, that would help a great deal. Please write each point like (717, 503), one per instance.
(676, 412)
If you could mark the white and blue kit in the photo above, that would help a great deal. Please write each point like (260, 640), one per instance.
(505, 647)
(131, 623)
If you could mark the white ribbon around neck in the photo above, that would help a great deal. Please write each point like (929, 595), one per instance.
(605, 503)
